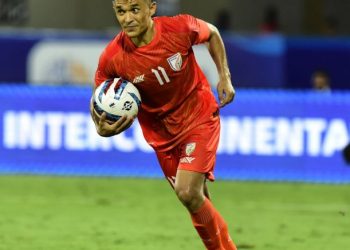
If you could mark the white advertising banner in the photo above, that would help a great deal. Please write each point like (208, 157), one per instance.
(62, 62)
(75, 62)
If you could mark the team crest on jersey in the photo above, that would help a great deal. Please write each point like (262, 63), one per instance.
(190, 147)
(175, 62)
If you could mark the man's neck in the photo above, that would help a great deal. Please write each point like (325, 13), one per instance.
(146, 37)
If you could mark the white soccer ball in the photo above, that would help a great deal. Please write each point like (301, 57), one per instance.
(117, 97)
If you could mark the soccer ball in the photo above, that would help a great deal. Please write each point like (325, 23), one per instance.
(117, 97)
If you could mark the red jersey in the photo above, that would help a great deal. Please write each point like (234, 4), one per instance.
(176, 96)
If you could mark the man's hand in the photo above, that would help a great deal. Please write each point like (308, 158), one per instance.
(105, 128)
(226, 91)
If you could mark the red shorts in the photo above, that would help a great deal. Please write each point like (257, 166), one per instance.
(197, 152)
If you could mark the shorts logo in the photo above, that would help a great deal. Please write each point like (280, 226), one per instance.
(175, 61)
(187, 159)
(190, 147)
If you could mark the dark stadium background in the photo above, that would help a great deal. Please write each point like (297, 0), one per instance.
(282, 178)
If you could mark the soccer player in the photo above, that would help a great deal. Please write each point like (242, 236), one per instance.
(179, 115)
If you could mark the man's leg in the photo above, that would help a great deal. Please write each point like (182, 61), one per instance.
(225, 236)
(206, 190)
(190, 189)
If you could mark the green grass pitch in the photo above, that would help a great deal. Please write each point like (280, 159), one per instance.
(61, 213)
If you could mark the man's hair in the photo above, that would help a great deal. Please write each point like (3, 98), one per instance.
(151, 1)
(147, 1)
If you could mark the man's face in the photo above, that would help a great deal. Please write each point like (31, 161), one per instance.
(134, 16)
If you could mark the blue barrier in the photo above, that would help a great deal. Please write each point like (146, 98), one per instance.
(257, 61)
(266, 135)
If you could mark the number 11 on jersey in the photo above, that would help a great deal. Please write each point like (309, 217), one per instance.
(159, 78)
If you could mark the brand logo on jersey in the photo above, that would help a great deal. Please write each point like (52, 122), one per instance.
(175, 62)
(139, 79)
(190, 147)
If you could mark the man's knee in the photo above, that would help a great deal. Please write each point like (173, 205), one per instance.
(190, 198)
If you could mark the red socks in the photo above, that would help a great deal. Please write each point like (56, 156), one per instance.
(212, 228)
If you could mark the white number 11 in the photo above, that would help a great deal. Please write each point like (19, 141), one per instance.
(159, 78)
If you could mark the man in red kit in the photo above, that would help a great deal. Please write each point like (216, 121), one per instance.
(179, 115)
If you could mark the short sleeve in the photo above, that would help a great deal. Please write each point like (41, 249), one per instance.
(199, 29)
(101, 74)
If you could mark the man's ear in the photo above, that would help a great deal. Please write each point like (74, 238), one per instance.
(153, 8)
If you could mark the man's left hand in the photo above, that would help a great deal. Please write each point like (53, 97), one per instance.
(226, 92)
